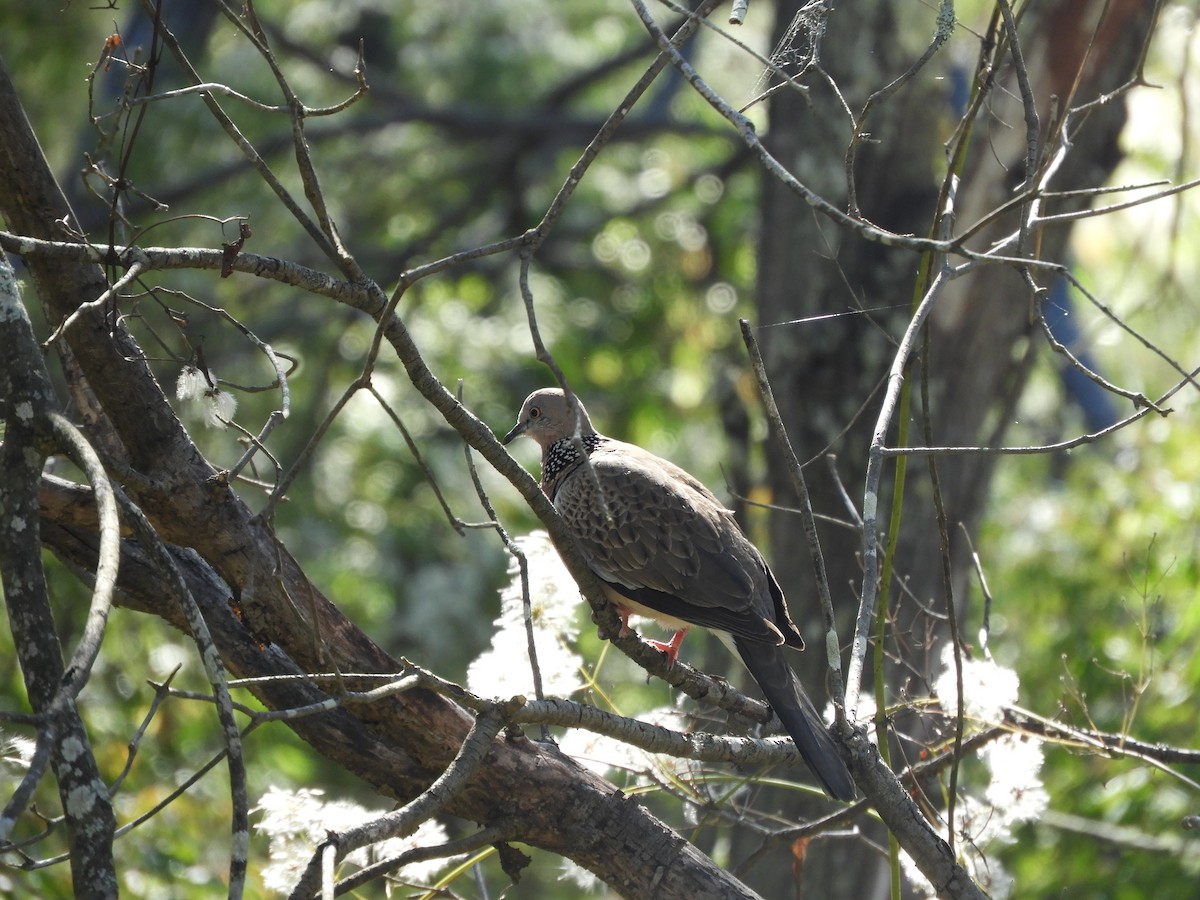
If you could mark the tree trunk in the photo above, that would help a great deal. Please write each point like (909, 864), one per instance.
(264, 613)
(827, 375)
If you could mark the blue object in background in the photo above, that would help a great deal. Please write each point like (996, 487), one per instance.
(1096, 403)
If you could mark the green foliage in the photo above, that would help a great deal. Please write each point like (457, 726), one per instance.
(465, 137)
(1093, 561)
(1092, 555)
(1096, 595)
(472, 125)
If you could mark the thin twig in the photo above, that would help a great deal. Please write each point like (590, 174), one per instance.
(455, 522)
(243, 144)
(485, 837)
(161, 692)
(833, 650)
(945, 28)
(939, 508)
(214, 669)
(870, 588)
(522, 564)
(108, 556)
(112, 293)
(408, 818)
(298, 112)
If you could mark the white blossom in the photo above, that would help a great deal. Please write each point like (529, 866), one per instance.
(976, 826)
(218, 406)
(296, 822)
(1016, 791)
(504, 670)
(16, 753)
(191, 384)
(581, 878)
(987, 687)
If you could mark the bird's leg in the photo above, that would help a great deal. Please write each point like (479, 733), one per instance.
(623, 613)
(671, 647)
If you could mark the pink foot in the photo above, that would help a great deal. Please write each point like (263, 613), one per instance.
(671, 647)
(623, 614)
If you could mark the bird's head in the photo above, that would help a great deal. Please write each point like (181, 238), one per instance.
(547, 416)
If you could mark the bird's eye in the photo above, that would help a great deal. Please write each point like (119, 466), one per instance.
(534, 413)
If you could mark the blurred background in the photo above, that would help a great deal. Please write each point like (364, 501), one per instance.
(475, 115)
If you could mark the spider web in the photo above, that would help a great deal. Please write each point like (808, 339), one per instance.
(797, 51)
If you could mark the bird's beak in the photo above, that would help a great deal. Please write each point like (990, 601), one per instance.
(517, 431)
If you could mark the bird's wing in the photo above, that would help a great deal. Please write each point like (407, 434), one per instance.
(659, 537)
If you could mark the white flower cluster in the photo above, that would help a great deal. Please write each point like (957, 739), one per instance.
(987, 687)
(16, 754)
(503, 670)
(1014, 793)
(218, 406)
(296, 822)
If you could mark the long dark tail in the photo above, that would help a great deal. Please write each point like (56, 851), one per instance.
(769, 667)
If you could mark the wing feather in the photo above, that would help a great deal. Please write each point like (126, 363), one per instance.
(670, 544)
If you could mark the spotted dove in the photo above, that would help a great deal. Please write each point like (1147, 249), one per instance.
(665, 547)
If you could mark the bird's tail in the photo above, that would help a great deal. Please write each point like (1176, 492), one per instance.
(769, 666)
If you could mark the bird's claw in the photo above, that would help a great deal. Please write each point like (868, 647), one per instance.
(669, 648)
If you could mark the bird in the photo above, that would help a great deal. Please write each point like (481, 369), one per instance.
(664, 546)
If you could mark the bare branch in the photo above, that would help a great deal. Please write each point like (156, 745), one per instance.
(28, 410)
(406, 820)
(833, 649)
